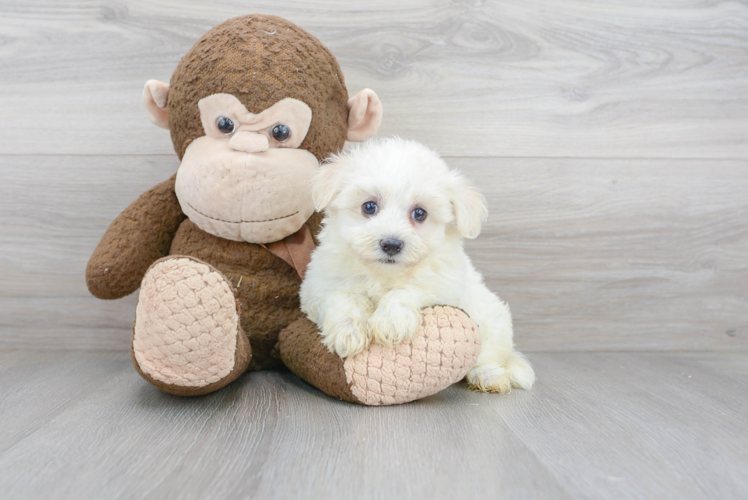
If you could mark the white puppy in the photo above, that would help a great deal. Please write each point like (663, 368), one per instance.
(392, 243)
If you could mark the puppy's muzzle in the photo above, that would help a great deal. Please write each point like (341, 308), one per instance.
(391, 246)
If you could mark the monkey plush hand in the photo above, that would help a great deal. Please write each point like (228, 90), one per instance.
(219, 250)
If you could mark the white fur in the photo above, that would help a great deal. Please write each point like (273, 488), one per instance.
(356, 296)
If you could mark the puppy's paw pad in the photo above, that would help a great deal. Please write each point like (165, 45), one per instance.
(393, 323)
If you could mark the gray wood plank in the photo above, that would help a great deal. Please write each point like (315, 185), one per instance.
(617, 255)
(398, 452)
(680, 416)
(38, 385)
(510, 78)
(54, 211)
(598, 425)
(128, 440)
(591, 254)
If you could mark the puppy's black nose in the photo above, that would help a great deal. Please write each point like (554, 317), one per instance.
(391, 246)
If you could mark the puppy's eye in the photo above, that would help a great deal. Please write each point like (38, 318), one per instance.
(281, 133)
(419, 215)
(369, 208)
(225, 125)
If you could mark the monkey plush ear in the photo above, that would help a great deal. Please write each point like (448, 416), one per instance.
(155, 98)
(470, 208)
(364, 116)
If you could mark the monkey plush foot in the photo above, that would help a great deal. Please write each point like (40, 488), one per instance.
(442, 351)
(187, 339)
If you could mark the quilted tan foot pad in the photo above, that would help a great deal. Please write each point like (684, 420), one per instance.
(187, 339)
(441, 353)
(443, 350)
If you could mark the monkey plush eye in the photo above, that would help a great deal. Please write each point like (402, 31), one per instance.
(419, 215)
(281, 133)
(225, 125)
(369, 208)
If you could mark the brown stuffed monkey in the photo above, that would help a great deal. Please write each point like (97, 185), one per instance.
(219, 249)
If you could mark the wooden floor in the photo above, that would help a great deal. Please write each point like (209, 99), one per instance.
(598, 425)
(611, 141)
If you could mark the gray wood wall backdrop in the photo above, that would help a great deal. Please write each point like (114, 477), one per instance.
(611, 139)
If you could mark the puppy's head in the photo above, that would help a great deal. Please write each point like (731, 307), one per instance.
(394, 201)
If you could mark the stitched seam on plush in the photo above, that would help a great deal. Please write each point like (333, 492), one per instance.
(241, 221)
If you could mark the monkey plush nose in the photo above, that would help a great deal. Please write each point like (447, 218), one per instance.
(391, 246)
(249, 142)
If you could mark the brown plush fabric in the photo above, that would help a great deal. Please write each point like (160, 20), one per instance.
(315, 225)
(307, 357)
(260, 59)
(139, 236)
(243, 356)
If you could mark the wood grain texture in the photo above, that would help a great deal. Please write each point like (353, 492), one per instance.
(37, 386)
(510, 78)
(54, 210)
(590, 254)
(617, 254)
(623, 425)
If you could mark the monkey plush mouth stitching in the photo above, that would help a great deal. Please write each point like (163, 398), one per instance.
(241, 221)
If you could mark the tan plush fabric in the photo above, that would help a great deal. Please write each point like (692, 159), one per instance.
(441, 353)
(186, 324)
(365, 115)
(292, 113)
(261, 60)
(261, 199)
(443, 350)
(155, 97)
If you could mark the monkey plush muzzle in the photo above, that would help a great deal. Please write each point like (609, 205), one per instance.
(254, 197)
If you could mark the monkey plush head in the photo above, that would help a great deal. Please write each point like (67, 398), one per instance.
(253, 108)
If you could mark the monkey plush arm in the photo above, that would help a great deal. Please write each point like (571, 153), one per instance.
(138, 236)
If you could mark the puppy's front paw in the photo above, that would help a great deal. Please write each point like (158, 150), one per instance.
(393, 322)
(346, 336)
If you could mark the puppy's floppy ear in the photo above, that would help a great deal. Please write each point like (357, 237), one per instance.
(469, 206)
(327, 182)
